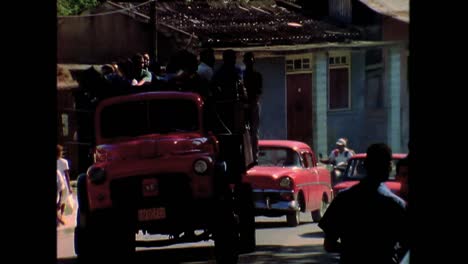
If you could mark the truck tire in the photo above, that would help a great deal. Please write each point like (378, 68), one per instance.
(103, 236)
(245, 210)
(226, 233)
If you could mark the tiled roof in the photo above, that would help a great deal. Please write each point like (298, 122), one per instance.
(234, 25)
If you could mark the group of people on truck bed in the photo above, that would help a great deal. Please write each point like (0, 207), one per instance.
(219, 88)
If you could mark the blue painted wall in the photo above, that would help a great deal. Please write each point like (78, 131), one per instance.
(362, 126)
(350, 123)
(273, 102)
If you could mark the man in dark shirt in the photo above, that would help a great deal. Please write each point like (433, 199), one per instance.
(229, 93)
(367, 223)
(253, 83)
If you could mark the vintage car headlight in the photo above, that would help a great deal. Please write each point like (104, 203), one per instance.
(200, 166)
(285, 182)
(97, 175)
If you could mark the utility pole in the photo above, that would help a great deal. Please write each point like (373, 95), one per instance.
(153, 32)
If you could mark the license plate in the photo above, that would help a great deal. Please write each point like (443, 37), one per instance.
(151, 214)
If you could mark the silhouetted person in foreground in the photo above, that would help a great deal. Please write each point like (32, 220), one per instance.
(368, 219)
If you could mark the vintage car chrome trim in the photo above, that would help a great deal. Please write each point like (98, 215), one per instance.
(278, 205)
(271, 191)
(283, 205)
(314, 183)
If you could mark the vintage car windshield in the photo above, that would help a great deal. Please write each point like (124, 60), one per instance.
(282, 157)
(158, 116)
(356, 170)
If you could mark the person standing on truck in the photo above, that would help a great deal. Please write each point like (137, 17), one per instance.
(206, 66)
(228, 89)
(140, 76)
(253, 83)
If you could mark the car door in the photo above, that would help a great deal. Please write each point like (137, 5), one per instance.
(312, 180)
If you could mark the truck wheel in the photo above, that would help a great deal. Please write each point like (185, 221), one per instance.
(226, 233)
(226, 237)
(100, 237)
(245, 208)
(104, 240)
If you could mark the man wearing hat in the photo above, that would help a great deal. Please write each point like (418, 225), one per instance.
(341, 154)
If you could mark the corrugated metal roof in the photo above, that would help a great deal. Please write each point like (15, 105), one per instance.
(236, 25)
(398, 9)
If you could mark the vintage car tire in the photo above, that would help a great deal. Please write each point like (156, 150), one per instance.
(245, 209)
(226, 235)
(318, 214)
(293, 218)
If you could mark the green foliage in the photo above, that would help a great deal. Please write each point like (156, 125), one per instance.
(74, 7)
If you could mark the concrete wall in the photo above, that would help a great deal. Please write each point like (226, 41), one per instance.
(100, 39)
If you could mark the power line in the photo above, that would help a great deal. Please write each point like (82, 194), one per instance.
(110, 12)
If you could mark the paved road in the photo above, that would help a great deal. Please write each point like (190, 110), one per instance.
(276, 243)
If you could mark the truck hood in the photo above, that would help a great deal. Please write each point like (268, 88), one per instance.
(151, 147)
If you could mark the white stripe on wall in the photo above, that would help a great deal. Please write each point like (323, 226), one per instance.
(394, 89)
(320, 76)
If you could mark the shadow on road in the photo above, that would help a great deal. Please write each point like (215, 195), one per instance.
(318, 234)
(266, 225)
(274, 254)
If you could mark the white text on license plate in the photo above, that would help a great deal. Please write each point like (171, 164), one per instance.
(151, 214)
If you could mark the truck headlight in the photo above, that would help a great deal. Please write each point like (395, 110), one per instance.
(200, 166)
(97, 175)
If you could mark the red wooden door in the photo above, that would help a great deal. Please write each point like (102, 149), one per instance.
(299, 107)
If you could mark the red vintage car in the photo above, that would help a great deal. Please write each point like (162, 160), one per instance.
(288, 181)
(355, 171)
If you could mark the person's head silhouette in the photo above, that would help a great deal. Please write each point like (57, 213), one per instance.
(378, 163)
(229, 57)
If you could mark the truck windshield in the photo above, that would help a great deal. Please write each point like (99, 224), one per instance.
(159, 116)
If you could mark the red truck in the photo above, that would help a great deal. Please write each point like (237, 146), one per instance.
(157, 169)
